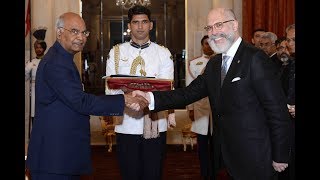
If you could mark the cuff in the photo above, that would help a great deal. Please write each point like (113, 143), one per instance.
(151, 104)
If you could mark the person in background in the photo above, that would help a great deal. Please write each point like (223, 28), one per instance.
(246, 99)
(256, 37)
(31, 66)
(59, 146)
(267, 44)
(291, 39)
(283, 55)
(289, 87)
(200, 112)
(141, 137)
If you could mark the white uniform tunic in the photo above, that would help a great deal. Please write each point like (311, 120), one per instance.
(158, 64)
(31, 67)
(201, 108)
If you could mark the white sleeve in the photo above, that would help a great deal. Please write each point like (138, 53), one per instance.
(167, 67)
(189, 77)
(27, 70)
(110, 70)
(151, 105)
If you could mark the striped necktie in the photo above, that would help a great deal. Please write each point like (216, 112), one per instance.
(224, 67)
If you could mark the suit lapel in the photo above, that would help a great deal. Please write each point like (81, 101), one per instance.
(235, 67)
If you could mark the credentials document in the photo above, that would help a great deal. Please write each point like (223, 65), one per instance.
(131, 83)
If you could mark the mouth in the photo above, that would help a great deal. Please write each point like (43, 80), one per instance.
(219, 40)
(140, 32)
(79, 45)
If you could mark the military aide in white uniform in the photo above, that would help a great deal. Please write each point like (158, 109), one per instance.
(140, 156)
(157, 63)
(30, 72)
(201, 108)
(199, 111)
(40, 47)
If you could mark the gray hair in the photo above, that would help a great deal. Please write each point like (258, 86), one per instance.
(270, 35)
(60, 21)
(292, 26)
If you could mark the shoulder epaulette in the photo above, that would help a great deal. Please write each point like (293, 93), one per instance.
(161, 45)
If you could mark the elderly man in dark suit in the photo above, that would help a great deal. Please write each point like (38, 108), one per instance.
(246, 98)
(59, 147)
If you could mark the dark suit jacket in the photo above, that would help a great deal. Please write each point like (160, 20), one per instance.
(277, 61)
(60, 137)
(250, 114)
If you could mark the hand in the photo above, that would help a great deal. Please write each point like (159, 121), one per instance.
(141, 93)
(292, 110)
(135, 103)
(171, 120)
(279, 166)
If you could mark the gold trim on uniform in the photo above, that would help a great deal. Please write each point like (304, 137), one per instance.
(199, 63)
(138, 61)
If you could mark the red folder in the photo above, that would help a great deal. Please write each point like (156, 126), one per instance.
(139, 83)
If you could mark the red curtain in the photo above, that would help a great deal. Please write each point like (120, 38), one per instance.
(271, 15)
(28, 19)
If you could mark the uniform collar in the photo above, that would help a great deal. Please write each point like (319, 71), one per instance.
(145, 45)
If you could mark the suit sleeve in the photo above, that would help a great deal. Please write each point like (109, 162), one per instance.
(64, 80)
(179, 98)
(189, 79)
(267, 86)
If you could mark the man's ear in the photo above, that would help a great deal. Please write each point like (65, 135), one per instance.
(59, 32)
(151, 25)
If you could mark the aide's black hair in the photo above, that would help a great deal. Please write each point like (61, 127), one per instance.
(138, 9)
(203, 38)
(279, 40)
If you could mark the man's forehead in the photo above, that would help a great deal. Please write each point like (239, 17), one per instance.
(291, 32)
(78, 27)
(215, 16)
(259, 32)
(140, 17)
(265, 40)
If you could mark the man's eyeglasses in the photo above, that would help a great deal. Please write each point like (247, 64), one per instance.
(216, 26)
(76, 32)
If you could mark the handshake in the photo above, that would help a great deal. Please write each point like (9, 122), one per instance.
(137, 100)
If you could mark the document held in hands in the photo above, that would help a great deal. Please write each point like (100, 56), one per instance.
(130, 83)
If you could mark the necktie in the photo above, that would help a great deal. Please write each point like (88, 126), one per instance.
(224, 67)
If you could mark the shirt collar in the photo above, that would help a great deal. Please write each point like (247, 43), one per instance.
(233, 49)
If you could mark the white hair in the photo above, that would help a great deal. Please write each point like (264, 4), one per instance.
(270, 35)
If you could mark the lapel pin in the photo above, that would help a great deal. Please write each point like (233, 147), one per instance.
(238, 61)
